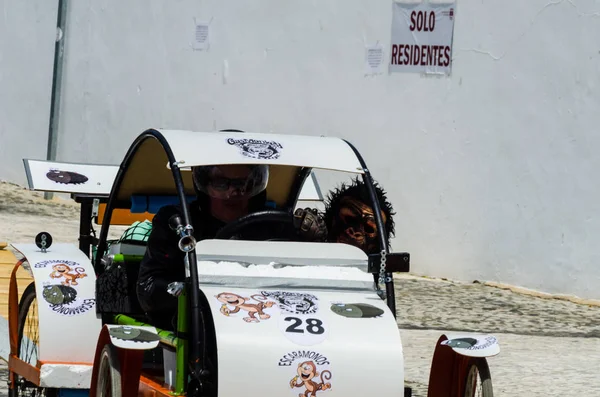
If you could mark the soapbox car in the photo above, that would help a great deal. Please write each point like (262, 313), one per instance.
(255, 317)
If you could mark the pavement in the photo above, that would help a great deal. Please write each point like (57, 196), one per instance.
(549, 347)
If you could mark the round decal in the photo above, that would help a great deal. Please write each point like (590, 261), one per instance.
(303, 329)
(61, 290)
(66, 177)
(294, 302)
(309, 371)
(257, 149)
(356, 310)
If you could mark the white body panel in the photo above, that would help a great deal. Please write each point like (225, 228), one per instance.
(97, 178)
(261, 264)
(200, 148)
(325, 312)
(473, 345)
(66, 376)
(100, 179)
(354, 349)
(65, 292)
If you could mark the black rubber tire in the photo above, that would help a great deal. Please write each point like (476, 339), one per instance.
(27, 298)
(109, 373)
(479, 366)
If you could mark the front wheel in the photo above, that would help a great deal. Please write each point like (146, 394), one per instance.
(478, 369)
(109, 373)
(27, 347)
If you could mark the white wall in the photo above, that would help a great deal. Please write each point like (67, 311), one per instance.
(491, 171)
(28, 33)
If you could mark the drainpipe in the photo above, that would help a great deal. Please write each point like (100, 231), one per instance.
(56, 84)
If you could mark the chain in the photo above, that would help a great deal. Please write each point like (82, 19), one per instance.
(382, 267)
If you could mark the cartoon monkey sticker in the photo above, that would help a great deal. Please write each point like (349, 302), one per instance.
(63, 271)
(240, 303)
(306, 372)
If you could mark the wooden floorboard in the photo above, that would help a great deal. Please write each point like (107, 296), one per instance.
(7, 264)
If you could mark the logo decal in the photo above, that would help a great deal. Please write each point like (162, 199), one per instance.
(257, 149)
(312, 372)
(356, 310)
(237, 303)
(294, 302)
(66, 177)
(132, 334)
(471, 343)
(62, 297)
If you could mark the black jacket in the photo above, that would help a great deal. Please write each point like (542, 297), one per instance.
(163, 262)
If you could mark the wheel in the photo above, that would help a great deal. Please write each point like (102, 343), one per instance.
(478, 369)
(109, 373)
(28, 340)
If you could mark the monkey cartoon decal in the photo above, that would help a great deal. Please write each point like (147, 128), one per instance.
(241, 303)
(62, 291)
(64, 271)
(307, 370)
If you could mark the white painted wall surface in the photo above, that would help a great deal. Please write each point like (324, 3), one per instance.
(27, 37)
(491, 171)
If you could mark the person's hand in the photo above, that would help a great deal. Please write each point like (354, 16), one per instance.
(310, 225)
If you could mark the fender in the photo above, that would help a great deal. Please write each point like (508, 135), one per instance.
(65, 284)
(451, 358)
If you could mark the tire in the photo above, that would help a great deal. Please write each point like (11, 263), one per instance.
(109, 373)
(28, 305)
(478, 366)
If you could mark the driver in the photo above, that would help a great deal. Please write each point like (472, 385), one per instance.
(224, 193)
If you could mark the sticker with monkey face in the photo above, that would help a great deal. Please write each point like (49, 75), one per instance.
(311, 372)
(251, 309)
(61, 292)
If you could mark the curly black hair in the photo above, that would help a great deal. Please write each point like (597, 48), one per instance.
(358, 190)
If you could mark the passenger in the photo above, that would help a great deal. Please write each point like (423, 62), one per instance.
(224, 194)
(350, 219)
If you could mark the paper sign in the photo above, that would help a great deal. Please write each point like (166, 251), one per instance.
(201, 36)
(422, 38)
(374, 59)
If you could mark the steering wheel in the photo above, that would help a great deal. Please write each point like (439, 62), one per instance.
(283, 219)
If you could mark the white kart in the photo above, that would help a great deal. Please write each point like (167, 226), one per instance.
(264, 318)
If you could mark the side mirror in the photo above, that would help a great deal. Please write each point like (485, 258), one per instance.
(395, 262)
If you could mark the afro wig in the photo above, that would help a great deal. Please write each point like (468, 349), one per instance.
(358, 190)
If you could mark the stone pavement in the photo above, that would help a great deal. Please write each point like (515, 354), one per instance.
(549, 347)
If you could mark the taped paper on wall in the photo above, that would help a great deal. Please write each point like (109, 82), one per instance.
(374, 59)
(201, 36)
(422, 36)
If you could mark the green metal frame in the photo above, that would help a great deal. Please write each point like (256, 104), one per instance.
(169, 338)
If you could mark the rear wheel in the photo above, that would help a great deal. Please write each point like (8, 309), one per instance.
(478, 382)
(109, 373)
(27, 347)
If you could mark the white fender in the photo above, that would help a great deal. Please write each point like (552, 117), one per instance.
(133, 337)
(472, 345)
(349, 338)
(65, 284)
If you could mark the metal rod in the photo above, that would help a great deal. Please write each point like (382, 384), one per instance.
(56, 85)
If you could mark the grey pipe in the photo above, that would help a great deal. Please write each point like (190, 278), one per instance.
(56, 84)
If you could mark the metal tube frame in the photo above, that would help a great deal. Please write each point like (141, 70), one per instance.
(383, 246)
(197, 347)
